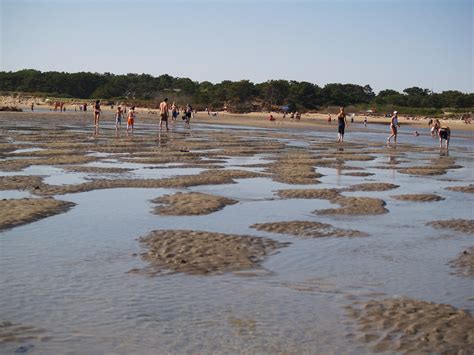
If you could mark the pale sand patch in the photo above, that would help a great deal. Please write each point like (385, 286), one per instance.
(460, 225)
(355, 206)
(22, 163)
(95, 169)
(438, 166)
(467, 189)
(406, 325)
(295, 168)
(418, 197)
(20, 182)
(322, 194)
(19, 333)
(190, 204)
(349, 205)
(208, 177)
(464, 263)
(351, 157)
(27, 210)
(307, 229)
(372, 186)
(423, 171)
(46, 153)
(358, 173)
(202, 253)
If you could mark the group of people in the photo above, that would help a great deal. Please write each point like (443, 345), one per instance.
(444, 133)
(165, 109)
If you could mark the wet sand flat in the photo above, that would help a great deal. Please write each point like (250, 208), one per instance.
(407, 325)
(202, 253)
(18, 212)
(418, 197)
(460, 225)
(190, 204)
(217, 206)
(307, 229)
(464, 263)
(467, 189)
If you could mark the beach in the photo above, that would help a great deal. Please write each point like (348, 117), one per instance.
(236, 235)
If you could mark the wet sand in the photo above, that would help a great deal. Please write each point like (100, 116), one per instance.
(204, 253)
(19, 333)
(221, 190)
(18, 212)
(348, 205)
(190, 204)
(419, 197)
(464, 263)
(405, 325)
(307, 229)
(460, 225)
(467, 189)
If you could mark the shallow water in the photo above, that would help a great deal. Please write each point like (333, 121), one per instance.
(68, 273)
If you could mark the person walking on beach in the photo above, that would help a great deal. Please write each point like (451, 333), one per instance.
(118, 118)
(164, 112)
(341, 124)
(174, 111)
(365, 121)
(97, 112)
(393, 127)
(131, 119)
(188, 113)
(329, 118)
(444, 133)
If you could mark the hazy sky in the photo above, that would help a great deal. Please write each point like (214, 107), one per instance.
(385, 43)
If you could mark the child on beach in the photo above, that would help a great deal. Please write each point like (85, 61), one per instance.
(435, 127)
(118, 118)
(131, 118)
(365, 121)
(174, 111)
(393, 127)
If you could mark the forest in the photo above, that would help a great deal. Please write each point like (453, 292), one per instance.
(236, 96)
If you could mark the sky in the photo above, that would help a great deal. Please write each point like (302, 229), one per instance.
(388, 44)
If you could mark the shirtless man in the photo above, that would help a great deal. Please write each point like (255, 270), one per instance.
(164, 111)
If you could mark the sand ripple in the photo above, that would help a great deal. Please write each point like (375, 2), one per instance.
(460, 225)
(467, 189)
(190, 204)
(18, 333)
(201, 253)
(407, 325)
(372, 186)
(356, 206)
(349, 205)
(27, 210)
(464, 263)
(419, 197)
(307, 229)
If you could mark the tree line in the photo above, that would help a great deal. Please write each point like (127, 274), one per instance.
(238, 96)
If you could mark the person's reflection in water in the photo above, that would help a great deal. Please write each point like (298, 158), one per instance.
(443, 153)
(163, 138)
(339, 164)
(393, 161)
